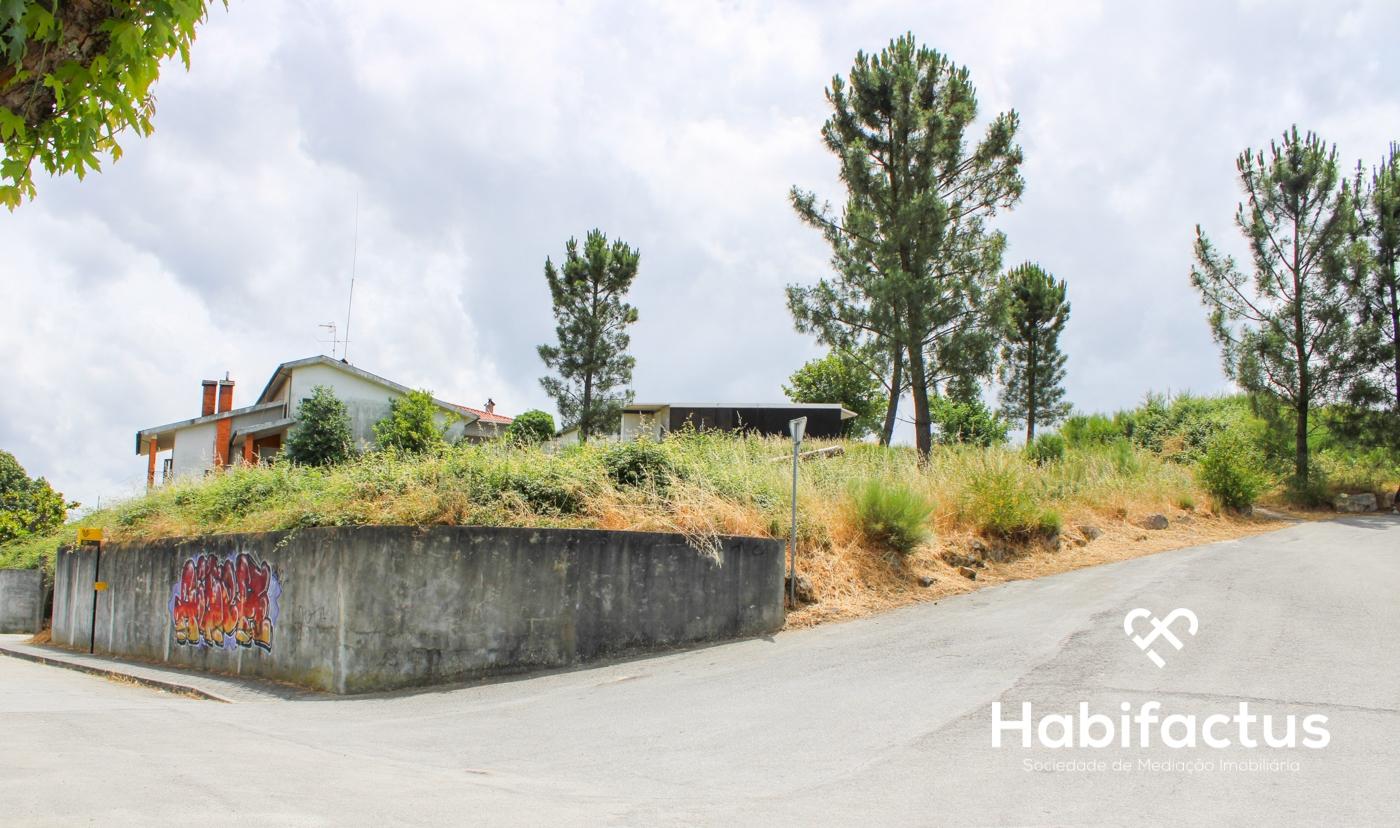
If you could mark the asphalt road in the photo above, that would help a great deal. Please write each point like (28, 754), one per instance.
(883, 721)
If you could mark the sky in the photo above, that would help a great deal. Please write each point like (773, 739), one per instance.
(470, 141)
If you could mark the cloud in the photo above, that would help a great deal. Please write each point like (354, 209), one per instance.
(477, 140)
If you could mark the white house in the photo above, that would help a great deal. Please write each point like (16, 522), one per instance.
(222, 434)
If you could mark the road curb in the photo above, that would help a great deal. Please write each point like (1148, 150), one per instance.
(57, 660)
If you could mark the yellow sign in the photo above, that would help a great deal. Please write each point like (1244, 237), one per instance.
(88, 534)
(100, 586)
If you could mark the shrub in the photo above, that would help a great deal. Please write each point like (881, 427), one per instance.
(639, 463)
(322, 435)
(411, 425)
(531, 428)
(892, 516)
(1047, 448)
(969, 422)
(1083, 430)
(999, 501)
(1232, 471)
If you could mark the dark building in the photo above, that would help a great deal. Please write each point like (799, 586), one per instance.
(653, 419)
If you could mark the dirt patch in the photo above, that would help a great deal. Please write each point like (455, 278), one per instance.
(853, 583)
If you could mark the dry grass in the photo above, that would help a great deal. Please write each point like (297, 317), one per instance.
(708, 485)
(853, 585)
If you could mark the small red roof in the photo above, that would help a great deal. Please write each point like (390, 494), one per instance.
(488, 417)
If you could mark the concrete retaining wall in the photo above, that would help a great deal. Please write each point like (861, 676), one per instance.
(21, 600)
(356, 609)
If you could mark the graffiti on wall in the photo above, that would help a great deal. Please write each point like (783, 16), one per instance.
(227, 603)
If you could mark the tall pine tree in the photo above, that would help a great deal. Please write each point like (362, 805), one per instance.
(1033, 367)
(914, 257)
(591, 319)
(1378, 211)
(1287, 329)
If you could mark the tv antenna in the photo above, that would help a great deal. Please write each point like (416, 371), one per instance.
(335, 342)
(354, 260)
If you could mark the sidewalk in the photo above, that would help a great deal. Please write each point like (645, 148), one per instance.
(200, 685)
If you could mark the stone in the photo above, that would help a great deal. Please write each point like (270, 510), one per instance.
(1355, 503)
(1090, 532)
(968, 572)
(978, 548)
(927, 580)
(1385, 500)
(1140, 537)
(806, 593)
(1155, 522)
(959, 559)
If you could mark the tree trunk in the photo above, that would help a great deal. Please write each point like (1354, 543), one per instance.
(892, 408)
(918, 381)
(1031, 368)
(1395, 335)
(1304, 398)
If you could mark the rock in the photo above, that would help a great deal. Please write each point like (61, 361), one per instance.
(1155, 522)
(1081, 541)
(927, 580)
(978, 547)
(806, 593)
(959, 559)
(1355, 503)
(968, 572)
(1091, 533)
(1140, 538)
(1385, 500)
(1243, 511)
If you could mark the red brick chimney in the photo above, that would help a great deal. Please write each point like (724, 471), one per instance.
(223, 429)
(225, 394)
(207, 407)
(490, 406)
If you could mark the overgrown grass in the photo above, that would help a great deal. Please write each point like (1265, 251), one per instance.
(700, 484)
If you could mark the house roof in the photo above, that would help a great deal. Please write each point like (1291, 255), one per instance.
(490, 417)
(647, 408)
(147, 433)
(284, 371)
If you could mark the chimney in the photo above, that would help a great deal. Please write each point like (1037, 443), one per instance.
(207, 406)
(225, 394)
(490, 406)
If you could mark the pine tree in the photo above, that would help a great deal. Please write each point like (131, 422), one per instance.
(591, 319)
(914, 257)
(1033, 367)
(1287, 329)
(322, 434)
(1378, 207)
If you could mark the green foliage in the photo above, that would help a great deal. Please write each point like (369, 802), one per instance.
(28, 506)
(531, 428)
(1288, 328)
(968, 421)
(1000, 500)
(1232, 471)
(1046, 448)
(1084, 430)
(75, 74)
(890, 515)
(639, 463)
(838, 379)
(322, 435)
(1377, 202)
(591, 320)
(1033, 366)
(413, 424)
(914, 256)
